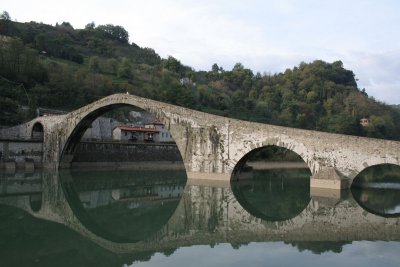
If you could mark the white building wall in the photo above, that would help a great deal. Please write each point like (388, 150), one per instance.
(163, 135)
(116, 134)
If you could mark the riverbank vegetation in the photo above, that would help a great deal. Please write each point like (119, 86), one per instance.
(65, 68)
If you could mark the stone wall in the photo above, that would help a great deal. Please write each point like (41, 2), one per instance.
(15, 132)
(125, 152)
(20, 152)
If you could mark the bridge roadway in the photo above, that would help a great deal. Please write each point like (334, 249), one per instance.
(213, 146)
(209, 213)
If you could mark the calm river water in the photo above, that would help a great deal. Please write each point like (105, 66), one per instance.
(159, 218)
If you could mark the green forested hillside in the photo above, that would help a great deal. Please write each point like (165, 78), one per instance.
(65, 68)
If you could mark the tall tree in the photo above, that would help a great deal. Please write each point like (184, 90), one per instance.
(125, 69)
(5, 15)
(94, 63)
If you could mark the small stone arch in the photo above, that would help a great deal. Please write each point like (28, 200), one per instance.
(241, 163)
(37, 132)
(367, 165)
(299, 149)
(354, 175)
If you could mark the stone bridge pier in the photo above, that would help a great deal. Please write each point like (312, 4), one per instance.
(212, 146)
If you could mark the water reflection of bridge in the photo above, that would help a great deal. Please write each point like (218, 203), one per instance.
(20, 183)
(209, 214)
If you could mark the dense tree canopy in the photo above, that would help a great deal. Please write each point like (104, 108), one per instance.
(62, 67)
(113, 32)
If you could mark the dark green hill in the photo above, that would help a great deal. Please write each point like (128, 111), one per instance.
(65, 68)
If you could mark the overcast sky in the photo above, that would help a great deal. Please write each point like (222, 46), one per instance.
(265, 36)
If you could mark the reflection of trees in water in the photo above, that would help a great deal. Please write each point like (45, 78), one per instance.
(267, 153)
(378, 201)
(376, 189)
(385, 173)
(123, 206)
(274, 153)
(92, 180)
(274, 195)
(318, 247)
(135, 224)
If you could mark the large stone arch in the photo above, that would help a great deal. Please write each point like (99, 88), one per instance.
(201, 138)
(74, 125)
(80, 128)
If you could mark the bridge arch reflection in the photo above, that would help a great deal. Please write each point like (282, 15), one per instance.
(376, 189)
(35, 202)
(123, 206)
(272, 183)
(213, 210)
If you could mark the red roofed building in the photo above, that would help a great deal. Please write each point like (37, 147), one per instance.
(140, 134)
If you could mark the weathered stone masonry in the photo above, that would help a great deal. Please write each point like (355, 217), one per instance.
(211, 146)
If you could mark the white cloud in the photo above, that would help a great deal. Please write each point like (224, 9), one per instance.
(378, 74)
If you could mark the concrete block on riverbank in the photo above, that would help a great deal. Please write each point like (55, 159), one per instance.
(329, 178)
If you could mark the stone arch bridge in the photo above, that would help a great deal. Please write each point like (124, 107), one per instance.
(211, 146)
